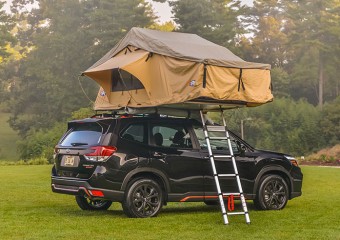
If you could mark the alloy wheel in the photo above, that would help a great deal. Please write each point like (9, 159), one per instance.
(146, 200)
(274, 194)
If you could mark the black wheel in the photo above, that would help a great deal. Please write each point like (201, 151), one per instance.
(143, 198)
(88, 204)
(272, 193)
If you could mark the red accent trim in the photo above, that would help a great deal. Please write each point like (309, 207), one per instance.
(204, 197)
(189, 197)
(86, 191)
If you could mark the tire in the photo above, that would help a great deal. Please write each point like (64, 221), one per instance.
(143, 198)
(88, 204)
(272, 193)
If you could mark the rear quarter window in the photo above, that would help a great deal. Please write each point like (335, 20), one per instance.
(83, 134)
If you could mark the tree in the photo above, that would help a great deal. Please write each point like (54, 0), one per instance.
(65, 38)
(267, 27)
(315, 38)
(330, 122)
(283, 125)
(6, 51)
(215, 20)
(166, 27)
(6, 25)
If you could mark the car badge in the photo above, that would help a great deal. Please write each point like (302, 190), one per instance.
(68, 150)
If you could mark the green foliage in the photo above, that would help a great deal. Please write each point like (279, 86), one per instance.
(283, 125)
(330, 122)
(6, 25)
(60, 39)
(315, 37)
(34, 161)
(82, 113)
(300, 37)
(281, 82)
(8, 138)
(165, 27)
(40, 143)
(68, 37)
(214, 20)
(269, 38)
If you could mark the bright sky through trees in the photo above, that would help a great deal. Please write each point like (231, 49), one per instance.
(164, 12)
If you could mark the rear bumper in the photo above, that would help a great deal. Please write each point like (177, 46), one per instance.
(82, 187)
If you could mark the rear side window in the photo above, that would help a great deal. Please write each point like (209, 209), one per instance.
(173, 136)
(134, 132)
(82, 135)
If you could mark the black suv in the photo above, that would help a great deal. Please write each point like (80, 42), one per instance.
(145, 162)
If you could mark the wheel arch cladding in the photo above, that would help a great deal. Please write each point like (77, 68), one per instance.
(153, 174)
(275, 170)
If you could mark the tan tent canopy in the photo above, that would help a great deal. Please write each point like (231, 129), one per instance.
(150, 68)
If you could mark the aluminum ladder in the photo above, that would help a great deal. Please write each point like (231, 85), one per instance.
(212, 157)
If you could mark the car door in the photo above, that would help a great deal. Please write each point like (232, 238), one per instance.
(245, 164)
(172, 150)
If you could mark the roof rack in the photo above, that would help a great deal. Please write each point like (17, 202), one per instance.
(120, 114)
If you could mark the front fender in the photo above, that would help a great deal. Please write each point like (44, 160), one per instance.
(272, 169)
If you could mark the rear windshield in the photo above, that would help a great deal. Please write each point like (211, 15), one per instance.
(83, 134)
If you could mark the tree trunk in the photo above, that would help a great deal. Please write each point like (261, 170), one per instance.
(321, 81)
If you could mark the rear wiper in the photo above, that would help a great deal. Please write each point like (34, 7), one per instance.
(78, 144)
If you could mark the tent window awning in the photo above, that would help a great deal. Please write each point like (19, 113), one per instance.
(124, 81)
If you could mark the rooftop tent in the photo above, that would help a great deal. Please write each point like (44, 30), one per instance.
(149, 68)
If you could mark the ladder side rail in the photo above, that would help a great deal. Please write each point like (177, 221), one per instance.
(238, 180)
(212, 161)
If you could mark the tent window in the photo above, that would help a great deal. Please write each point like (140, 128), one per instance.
(124, 81)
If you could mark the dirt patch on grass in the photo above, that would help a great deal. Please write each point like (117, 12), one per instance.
(324, 157)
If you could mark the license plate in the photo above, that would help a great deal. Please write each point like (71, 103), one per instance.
(69, 161)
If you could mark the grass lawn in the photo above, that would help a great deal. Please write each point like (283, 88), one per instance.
(8, 137)
(29, 210)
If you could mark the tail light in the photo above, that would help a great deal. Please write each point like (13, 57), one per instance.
(55, 151)
(100, 153)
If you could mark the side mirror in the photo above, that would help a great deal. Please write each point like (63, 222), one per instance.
(242, 148)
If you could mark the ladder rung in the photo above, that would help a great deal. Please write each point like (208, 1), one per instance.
(227, 175)
(218, 138)
(216, 128)
(236, 213)
(222, 156)
(228, 194)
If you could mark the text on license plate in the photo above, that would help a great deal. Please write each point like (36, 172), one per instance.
(69, 161)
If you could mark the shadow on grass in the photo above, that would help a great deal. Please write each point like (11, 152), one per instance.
(203, 208)
(171, 209)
